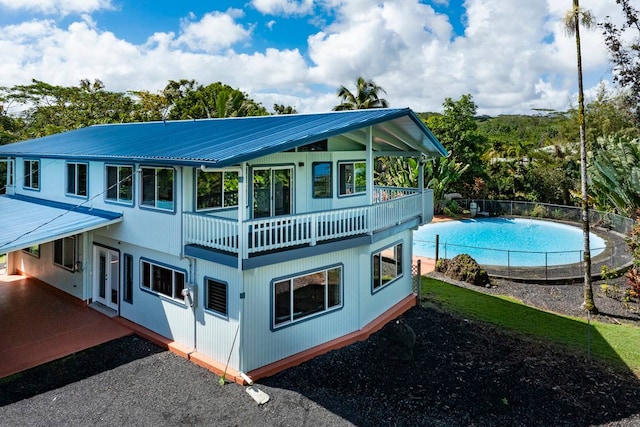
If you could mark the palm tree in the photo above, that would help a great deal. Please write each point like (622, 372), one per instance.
(366, 96)
(572, 21)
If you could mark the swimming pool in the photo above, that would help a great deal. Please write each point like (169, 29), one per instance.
(506, 241)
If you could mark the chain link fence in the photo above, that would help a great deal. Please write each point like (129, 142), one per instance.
(550, 266)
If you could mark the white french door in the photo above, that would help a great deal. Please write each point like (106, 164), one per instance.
(272, 191)
(106, 277)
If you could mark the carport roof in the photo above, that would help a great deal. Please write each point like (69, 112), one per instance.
(27, 221)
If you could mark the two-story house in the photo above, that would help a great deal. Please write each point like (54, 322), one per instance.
(262, 240)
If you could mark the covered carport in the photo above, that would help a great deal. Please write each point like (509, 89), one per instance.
(38, 322)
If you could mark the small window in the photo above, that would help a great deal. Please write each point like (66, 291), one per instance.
(128, 278)
(352, 178)
(64, 252)
(387, 266)
(162, 280)
(217, 297)
(157, 188)
(32, 174)
(322, 184)
(314, 146)
(6, 175)
(299, 297)
(77, 179)
(217, 189)
(33, 251)
(120, 184)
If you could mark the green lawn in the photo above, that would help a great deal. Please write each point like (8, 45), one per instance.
(617, 344)
(3, 258)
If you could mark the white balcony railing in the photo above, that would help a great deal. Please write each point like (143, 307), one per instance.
(392, 207)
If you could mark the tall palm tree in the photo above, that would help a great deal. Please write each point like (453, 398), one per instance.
(572, 21)
(367, 95)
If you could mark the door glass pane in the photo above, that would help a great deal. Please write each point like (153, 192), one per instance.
(282, 191)
(112, 183)
(165, 188)
(148, 187)
(125, 187)
(261, 193)
(113, 278)
(102, 276)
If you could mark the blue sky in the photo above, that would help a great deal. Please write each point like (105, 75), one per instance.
(510, 55)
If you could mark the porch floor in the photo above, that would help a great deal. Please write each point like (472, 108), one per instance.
(39, 323)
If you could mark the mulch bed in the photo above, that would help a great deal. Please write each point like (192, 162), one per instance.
(463, 373)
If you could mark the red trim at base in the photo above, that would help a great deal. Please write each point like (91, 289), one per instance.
(361, 335)
(275, 367)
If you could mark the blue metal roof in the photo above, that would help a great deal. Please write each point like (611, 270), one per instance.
(29, 221)
(223, 142)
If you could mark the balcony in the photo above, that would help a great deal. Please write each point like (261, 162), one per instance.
(391, 206)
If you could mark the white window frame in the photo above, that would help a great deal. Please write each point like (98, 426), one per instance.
(351, 189)
(29, 172)
(75, 179)
(124, 173)
(280, 319)
(223, 194)
(157, 203)
(377, 265)
(149, 283)
(68, 253)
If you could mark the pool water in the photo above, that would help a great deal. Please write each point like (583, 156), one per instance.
(506, 241)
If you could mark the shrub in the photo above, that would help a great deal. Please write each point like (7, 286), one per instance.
(464, 268)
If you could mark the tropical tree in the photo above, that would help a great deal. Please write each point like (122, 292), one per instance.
(280, 109)
(52, 109)
(441, 175)
(572, 21)
(189, 100)
(615, 175)
(624, 50)
(367, 95)
(457, 130)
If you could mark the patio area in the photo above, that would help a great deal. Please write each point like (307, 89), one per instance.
(39, 324)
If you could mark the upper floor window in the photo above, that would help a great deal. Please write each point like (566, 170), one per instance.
(298, 297)
(322, 180)
(157, 188)
(6, 174)
(64, 252)
(162, 280)
(216, 189)
(387, 266)
(352, 177)
(120, 184)
(77, 179)
(32, 174)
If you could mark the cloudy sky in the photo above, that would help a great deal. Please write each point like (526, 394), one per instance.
(512, 56)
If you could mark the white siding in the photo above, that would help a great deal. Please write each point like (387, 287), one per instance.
(170, 318)
(215, 334)
(43, 268)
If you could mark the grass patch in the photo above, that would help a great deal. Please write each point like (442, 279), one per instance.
(617, 344)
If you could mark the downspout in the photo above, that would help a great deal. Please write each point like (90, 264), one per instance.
(243, 190)
(190, 298)
(421, 161)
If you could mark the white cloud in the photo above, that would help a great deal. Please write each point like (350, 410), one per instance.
(284, 7)
(512, 57)
(62, 7)
(214, 32)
